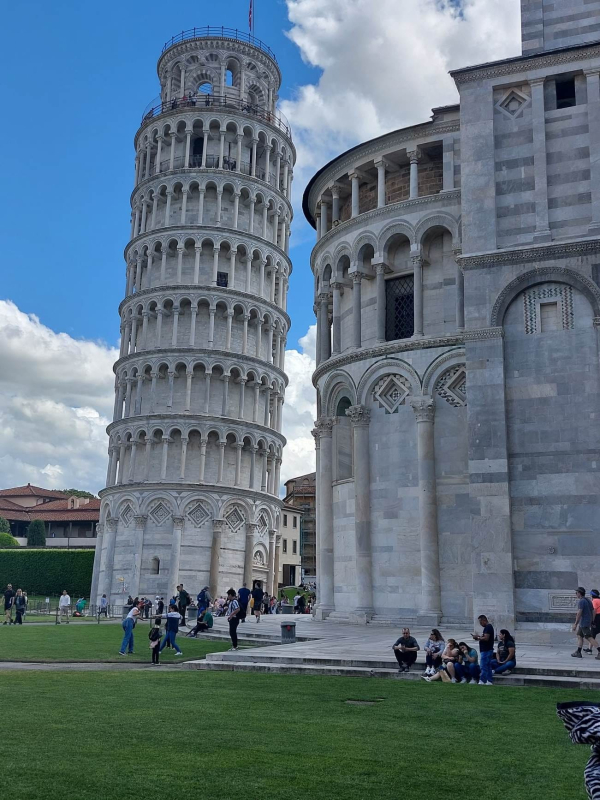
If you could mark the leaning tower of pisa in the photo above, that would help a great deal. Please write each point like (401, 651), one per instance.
(192, 491)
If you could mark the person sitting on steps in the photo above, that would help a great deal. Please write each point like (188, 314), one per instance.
(405, 649)
(505, 658)
(450, 656)
(434, 647)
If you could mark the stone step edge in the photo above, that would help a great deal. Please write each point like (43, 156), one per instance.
(252, 666)
(252, 656)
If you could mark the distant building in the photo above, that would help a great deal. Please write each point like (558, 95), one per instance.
(290, 556)
(70, 521)
(300, 493)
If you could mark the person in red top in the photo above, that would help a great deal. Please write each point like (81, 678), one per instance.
(595, 595)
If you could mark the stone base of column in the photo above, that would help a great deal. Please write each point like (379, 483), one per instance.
(594, 229)
(361, 616)
(429, 618)
(542, 236)
(322, 612)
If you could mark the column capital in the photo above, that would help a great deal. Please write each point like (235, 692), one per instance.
(218, 524)
(323, 427)
(537, 81)
(414, 155)
(381, 267)
(335, 191)
(272, 535)
(591, 71)
(251, 528)
(177, 522)
(382, 162)
(357, 277)
(140, 521)
(424, 408)
(359, 416)
(111, 523)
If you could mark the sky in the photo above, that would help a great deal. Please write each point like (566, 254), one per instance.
(78, 76)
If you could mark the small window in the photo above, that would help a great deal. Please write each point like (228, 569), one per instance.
(155, 566)
(565, 93)
(285, 520)
(549, 320)
(295, 522)
(399, 308)
(294, 546)
(222, 279)
(284, 543)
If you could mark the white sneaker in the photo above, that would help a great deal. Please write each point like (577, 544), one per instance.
(179, 654)
(231, 649)
(426, 678)
(473, 682)
(481, 683)
(489, 683)
(453, 680)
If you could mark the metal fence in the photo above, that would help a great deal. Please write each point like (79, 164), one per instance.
(208, 31)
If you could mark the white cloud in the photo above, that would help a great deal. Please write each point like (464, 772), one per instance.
(384, 66)
(300, 409)
(56, 399)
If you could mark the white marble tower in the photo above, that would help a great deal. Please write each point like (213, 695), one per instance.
(195, 446)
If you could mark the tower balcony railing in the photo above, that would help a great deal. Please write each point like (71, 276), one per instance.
(210, 31)
(201, 101)
(212, 162)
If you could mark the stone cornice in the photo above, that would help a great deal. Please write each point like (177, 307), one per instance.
(218, 489)
(393, 210)
(204, 289)
(542, 252)
(387, 349)
(217, 233)
(236, 178)
(201, 354)
(185, 420)
(525, 64)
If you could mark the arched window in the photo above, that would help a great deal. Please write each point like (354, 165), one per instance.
(399, 308)
(155, 566)
(229, 78)
(205, 88)
(343, 441)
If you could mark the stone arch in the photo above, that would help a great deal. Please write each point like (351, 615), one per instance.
(365, 238)
(542, 275)
(335, 384)
(263, 509)
(389, 366)
(404, 228)
(439, 220)
(439, 365)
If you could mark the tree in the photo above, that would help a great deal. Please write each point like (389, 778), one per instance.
(6, 540)
(36, 533)
(4, 525)
(79, 493)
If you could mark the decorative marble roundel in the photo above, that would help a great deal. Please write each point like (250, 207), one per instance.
(235, 519)
(160, 513)
(127, 514)
(391, 392)
(452, 386)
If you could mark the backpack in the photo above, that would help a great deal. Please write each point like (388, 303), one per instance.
(242, 612)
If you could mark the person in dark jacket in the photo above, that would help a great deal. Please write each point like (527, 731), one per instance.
(405, 649)
(154, 636)
(173, 618)
(20, 606)
(243, 599)
(257, 597)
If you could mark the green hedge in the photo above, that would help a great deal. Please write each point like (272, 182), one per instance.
(47, 571)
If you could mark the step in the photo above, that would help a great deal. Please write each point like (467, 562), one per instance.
(291, 659)
(525, 679)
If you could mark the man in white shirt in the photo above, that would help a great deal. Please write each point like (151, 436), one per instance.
(64, 605)
(296, 602)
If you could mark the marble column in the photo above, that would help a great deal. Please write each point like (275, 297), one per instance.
(414, 156)
(355, 198)
(324, 330)
(335, 207)
(538, 110)
(175, 554)
(276, 565)
(215, 551)
(110, 536)
(94, 591)
(381, 309)
(271, 573)
(138, 546)
(593, 108)
(431, 603)
(357, 309)
(337, 321)
(360, 418)
(460, 294)
(417, 264)
(381, 164)
(249, 552)
(326, 604)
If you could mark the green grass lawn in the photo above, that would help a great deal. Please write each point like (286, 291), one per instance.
(223, 736)
(78, 642)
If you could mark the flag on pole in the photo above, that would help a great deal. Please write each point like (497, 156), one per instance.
(251, 16)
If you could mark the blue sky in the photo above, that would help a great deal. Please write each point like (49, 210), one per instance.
(79, 75)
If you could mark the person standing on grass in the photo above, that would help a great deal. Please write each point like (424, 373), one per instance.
(486, 650)
(583, 624)
(257, 597)
(160, 605)
(64, 605)
(9, 597)
(128, 625)
(154, 636)
(405, 649)
(233, 610)
(20, 606)
(243, 599)
(173, 618)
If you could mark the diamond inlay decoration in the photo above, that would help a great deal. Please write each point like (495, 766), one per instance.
(452, 387)
(513, 103)
(235, 519)
(198, 515)
(160, 513)
(127, 514)
(560, 292)
(391, 392)
(263, 525)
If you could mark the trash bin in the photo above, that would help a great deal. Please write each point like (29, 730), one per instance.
(288, 632)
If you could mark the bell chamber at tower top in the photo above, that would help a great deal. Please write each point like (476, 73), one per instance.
(217, 110)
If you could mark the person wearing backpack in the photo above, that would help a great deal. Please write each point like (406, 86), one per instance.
(203, 601)
(183, 601)
(583, 623)
(243, 599)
